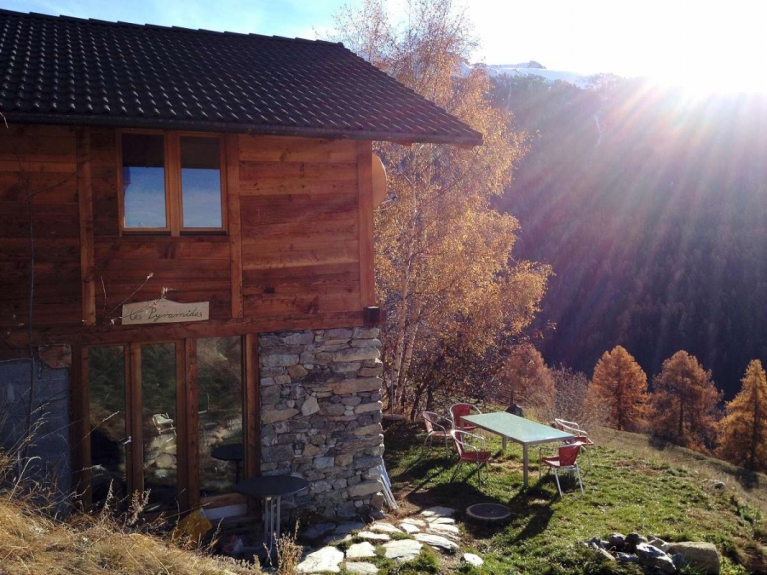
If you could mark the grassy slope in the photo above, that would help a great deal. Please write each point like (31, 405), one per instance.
(30, 543)
(631, 485)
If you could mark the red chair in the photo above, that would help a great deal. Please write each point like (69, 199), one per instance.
(436, 426)
(471, 448)
(566, 459)
(460, 410)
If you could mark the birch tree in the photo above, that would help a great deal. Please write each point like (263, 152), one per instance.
(443, 254)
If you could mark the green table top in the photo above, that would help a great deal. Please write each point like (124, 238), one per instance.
(517, 428)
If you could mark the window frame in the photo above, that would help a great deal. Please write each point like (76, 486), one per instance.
(174, 210)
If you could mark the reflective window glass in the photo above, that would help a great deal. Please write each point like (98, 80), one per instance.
(143, 161)
(201, 182)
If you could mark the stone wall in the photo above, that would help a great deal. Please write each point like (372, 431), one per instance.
(321, 416)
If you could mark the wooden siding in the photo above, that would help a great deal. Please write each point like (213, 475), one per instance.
(192, 268)
(299, 209)
(297, 251)
(40, 161)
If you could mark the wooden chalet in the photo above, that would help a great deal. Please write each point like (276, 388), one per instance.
(191, 215)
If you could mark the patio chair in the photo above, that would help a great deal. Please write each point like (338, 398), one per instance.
(581, 436)
(471, 448)
(436, 426)
(460, 410)
(567, 460)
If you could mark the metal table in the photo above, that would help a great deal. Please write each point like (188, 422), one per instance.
(272, 488)
(229, 452)
(519, 430)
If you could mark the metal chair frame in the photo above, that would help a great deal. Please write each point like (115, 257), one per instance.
(437, 426)
(566, 459)
(458, 410)
(466, 442)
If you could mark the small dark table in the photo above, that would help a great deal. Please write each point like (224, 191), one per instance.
(229, 452)
(271, 488)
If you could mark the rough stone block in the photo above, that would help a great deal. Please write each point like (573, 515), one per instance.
(281, 379)
(275, 415)
(310, 406)
(296, 371)
(356, 354)
(368, 407)
(341, 333)
(363, 489)
(372, 429)
(345, 367)
(323, 462)
(366, 343)
(365, 332)
(279, 360)
(357, 385)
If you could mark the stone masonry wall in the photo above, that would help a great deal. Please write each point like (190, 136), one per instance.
(321, 416)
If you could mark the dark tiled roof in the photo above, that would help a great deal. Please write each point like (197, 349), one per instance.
(73, 71)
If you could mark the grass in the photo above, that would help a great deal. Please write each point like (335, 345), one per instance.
(33, 540)
(631, 485)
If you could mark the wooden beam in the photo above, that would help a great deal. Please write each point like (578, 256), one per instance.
(113, 335)
(182, 427)
(136, 480)
(190, 436)
(251, 413)
(234, 220)
(79, 432)
(366, 248)
(85, 201)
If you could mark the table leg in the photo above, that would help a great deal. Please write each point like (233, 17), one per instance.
(524, 464)
(269, 517)
(504, 444)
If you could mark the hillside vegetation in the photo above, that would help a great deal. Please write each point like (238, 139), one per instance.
(632, 483)
(650, 208)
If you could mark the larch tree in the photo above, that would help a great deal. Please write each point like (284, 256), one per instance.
(619, 385)
(684, 402)
(743, 430)
(443, 254)
(526, 380)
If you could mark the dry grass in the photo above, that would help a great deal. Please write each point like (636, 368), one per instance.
(32, 541)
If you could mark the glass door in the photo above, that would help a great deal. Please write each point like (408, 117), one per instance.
(109, 425)
(159, 425)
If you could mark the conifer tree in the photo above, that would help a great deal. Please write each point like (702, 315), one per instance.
(743, 431)
(525, 379)
(620, 386)
(684, 402)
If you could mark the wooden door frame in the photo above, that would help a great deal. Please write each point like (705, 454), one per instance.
(187, 418)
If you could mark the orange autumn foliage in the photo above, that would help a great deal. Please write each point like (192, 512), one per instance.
(525, 379)
(619, 385)
(743, 431)
(684, 402)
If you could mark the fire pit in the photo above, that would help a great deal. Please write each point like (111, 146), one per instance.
(488, 512)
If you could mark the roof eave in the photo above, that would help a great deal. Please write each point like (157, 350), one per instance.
(470, 139)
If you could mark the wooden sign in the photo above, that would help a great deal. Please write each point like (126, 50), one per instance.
(164, 311)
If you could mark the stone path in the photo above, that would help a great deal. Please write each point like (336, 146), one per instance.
(403, 542)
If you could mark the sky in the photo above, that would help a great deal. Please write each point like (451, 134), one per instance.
(700, 44)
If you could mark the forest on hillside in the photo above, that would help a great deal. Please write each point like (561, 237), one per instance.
(650, 208)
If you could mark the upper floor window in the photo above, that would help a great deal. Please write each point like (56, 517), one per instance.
(171, 183)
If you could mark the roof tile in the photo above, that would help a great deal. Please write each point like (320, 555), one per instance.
(69, 70)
